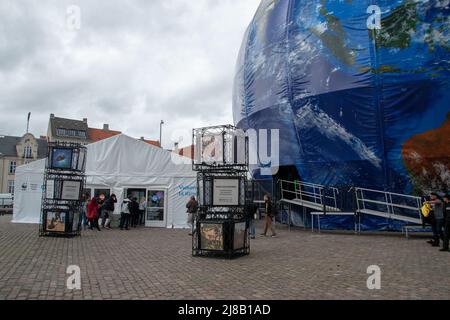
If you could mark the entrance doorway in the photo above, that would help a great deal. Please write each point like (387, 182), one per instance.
(156, 198)
(156, 208)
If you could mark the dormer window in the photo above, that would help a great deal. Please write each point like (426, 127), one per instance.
(28, 152)
(70, 133)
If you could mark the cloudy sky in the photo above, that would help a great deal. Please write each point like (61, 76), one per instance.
(130, 63)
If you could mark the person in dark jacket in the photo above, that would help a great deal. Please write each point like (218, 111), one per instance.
(108, 211)
(134, 210)
(446, 224)
(437, 219)
(192, 208)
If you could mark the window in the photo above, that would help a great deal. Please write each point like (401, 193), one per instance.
(70, 133)
(12, 167)
(28, 152)
(11, 186)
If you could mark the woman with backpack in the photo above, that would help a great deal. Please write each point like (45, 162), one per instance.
(125, 215)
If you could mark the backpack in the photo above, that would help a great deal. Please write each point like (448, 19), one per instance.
(125, 207)
(426, 210)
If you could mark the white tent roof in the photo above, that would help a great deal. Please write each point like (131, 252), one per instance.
(117, 163)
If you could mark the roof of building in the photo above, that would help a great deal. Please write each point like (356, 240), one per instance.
(8, 146)
(100, 134)
(153, 143)
(68, 124)
(186, 152)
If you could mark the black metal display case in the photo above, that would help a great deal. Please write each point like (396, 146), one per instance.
(64, 183)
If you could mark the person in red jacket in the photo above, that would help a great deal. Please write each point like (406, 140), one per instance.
(92, 214)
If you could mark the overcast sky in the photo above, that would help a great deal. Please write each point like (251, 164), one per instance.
(130, 64)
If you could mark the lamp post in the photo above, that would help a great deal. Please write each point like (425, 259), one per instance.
(160, 133)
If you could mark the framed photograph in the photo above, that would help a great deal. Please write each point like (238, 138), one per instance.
(71, 190)
(212, 149)
(225, 192)
(56, 221)
(61, 158)
(240, 230)
(211, 236)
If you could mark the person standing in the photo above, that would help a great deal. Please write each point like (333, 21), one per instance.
(192, 208)
(134, 210)
(93, 214)
(269, 217)
(101, 210)
(108, 210)
(142, 209)
(84, 211)
(446, 224)
(438, 219)
(125, 215)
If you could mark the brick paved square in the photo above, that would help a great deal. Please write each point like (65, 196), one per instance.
(157, 264)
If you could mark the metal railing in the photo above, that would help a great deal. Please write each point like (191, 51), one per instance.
(389, 204)
(311, 193)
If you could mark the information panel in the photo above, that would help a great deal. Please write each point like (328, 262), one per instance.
(226, 192)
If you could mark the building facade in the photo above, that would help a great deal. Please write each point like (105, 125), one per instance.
(78, 131)
(16, 151)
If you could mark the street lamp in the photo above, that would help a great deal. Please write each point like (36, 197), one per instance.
(160, 133)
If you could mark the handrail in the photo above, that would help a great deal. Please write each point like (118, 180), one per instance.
(389, 204)
(384, 192)
(310, 192)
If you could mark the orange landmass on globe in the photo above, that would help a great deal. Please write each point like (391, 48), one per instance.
(427, 158)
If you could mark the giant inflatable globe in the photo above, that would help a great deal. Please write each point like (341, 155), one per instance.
(360, 90)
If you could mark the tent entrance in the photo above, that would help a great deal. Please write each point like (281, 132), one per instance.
(156, 198)
(156, 215)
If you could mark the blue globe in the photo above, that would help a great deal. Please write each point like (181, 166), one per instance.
(360, 90)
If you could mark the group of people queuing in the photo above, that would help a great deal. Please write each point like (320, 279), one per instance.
(98, 211)
(132, 213)
(439, 219)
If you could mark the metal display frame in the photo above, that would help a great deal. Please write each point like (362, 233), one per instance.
(230, 219)
(55, 204)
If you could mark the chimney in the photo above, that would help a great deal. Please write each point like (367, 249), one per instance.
(52, 115)
(106, 127)
(176, 146)
(142, 139)
(85, 120)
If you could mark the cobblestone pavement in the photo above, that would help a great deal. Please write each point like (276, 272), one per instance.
(157, 264)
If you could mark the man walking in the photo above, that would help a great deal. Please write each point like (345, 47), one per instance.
(192, 208)
(269, 217)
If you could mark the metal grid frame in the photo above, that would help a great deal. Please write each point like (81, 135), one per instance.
(226, 216)
(72, 207)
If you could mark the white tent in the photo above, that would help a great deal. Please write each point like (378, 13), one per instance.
(119, 164)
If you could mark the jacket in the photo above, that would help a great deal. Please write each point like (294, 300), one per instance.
(192, 206)
(109, 204)
(92, 209)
